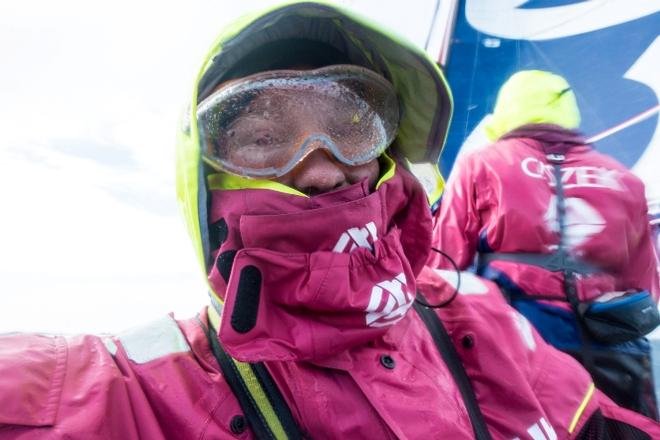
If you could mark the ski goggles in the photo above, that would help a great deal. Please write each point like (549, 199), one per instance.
(262, 125)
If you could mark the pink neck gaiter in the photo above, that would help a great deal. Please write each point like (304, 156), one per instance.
(307, 278)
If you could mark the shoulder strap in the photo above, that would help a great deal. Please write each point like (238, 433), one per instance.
(568, 273)
(558, 261)
(452, 360)
(570, 288)
(261, 401)
(553, 262)
(556, 161)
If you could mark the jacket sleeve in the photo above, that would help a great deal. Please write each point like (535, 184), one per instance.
(571, 402)
(457, 223)
(54, 387)
(642, 269)
(611, 422)
(546, 390)
(573, 405)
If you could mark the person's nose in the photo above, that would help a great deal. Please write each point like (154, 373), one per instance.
(318, 173)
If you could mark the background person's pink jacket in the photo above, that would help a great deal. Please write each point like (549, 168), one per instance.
(161, 381)
(501, 199)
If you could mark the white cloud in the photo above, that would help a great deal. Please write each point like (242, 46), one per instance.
(90, 235)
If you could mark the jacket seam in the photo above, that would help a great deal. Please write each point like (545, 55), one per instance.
(210, 417)
(58, 379)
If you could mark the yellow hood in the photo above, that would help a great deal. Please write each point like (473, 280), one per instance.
(425, 99)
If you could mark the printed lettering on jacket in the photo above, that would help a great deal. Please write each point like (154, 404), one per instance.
(573, 177)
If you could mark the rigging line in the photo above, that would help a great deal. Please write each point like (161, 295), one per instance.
(625, 124)
(433, 20)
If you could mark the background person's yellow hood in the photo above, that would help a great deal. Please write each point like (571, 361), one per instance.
(425, 99)
(533, 97)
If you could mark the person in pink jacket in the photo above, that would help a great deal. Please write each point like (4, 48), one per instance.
(314, 240)
(563, 230)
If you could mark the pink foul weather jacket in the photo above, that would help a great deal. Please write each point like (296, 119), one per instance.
(162, 382)
(319, 290)
(501, 199)
(383, 378)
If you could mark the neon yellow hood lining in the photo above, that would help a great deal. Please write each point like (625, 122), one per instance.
(423, 91)
(533, 97)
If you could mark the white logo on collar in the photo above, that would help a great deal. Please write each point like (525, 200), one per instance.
(357, 238)
(573, 177)
(389, 302)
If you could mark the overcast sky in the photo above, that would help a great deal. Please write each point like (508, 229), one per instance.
(90, 93)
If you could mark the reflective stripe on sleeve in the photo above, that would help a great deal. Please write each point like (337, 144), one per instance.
(583, 405)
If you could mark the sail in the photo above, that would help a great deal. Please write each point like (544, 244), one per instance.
(609, 51)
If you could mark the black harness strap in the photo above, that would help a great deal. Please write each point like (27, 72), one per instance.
(449, 354)
(558, 261)
(251, 409)
(554, 262)
(569, 284)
